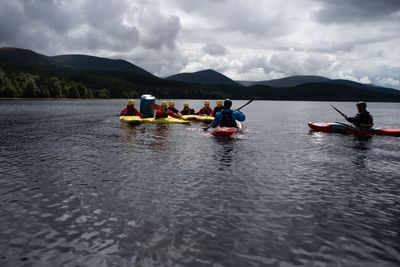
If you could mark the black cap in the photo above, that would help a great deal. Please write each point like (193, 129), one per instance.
(227, 103)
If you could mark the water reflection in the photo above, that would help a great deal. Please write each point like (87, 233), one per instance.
(226, 149)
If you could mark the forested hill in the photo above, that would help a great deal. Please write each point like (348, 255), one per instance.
(208, 77)
(24, 73)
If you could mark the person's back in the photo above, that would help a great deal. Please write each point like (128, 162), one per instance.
(363, 119)
(227, 117)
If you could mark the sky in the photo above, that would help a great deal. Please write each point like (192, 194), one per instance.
(243, 39)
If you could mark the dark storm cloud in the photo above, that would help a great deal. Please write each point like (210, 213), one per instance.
(54, 25)
(345, 11)
(214, 49)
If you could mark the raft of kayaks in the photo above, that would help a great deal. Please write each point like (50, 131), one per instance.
(337, 127)
(138, 120)
(198, 118)
(227, 131)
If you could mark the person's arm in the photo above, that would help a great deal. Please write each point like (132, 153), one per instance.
(123, 112)
(352, 119)
(238, 115)
(217, 120)
(137, 113)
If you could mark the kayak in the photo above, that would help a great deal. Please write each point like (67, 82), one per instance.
(337, 127)
(199, 118)
(130, 119)
(138, 120)
(227, 131)
(168, 120)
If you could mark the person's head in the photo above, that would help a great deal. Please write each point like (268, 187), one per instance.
(164, 104)
(219, 103)
(171, 104)
(207, 103)
(186, 105)
(227, 103)
(361, 106)
(131, 102)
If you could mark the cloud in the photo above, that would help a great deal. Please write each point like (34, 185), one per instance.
(247, 40)
(214, 50)
(346, 11)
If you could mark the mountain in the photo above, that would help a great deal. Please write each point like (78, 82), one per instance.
(288, 81)
(17, 56)
(207, 77)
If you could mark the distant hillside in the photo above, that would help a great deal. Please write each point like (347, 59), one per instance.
(17, 56)
(24, 73)
(209, 77)
(288, 81)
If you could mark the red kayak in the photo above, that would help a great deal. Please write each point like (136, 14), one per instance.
(227, 131)
(337, 127)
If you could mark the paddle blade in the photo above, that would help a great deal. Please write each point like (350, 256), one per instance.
(155, 106)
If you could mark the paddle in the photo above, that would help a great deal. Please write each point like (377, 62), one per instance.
(155, 106)
(205, 129)
(341, 113)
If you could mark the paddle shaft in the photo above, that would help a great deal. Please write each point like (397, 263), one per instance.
(341, 113)
(205, 129)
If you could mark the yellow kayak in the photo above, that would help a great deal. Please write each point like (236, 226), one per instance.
(130, 119)
(169, 120)
(200, 118)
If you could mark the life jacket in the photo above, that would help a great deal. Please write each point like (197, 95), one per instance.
(187, 111)
(364, 120)
(227, 119)
(130, 111)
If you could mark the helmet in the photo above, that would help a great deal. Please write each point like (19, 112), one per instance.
(131, 102)
(164, 104)
(219, 103)
(227, 103)
(361, 104)
(171, 103)
(206, 102)
(186, 105)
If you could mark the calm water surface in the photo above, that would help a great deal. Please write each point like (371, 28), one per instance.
(78, 188)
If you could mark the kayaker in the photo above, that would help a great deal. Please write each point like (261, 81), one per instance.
(130, 110)
(227, 117)
(164, 112)
(171, 107)
(206, 110)
(362, 119)
(218, 107)
(187, 110)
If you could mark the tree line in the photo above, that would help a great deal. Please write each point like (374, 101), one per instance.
(27, 85)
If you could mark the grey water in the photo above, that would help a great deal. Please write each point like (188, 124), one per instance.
(79, 188)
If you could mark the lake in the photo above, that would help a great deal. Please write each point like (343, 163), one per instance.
(78, 188)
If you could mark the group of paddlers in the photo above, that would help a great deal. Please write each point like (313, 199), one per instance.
(225, 117)
(222, 113)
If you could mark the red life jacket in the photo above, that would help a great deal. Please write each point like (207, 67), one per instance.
(227, 119)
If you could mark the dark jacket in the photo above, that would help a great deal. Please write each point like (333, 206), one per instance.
(362, 120)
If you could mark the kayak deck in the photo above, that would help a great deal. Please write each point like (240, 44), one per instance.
(138, 120)
(198, 118)
(335, 127)
(227, 131)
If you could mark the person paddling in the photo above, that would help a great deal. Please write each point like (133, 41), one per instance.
(206, 110)
(164, 112)
(187, 110)
(362, 119)
(227, 117)
(130, 110)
